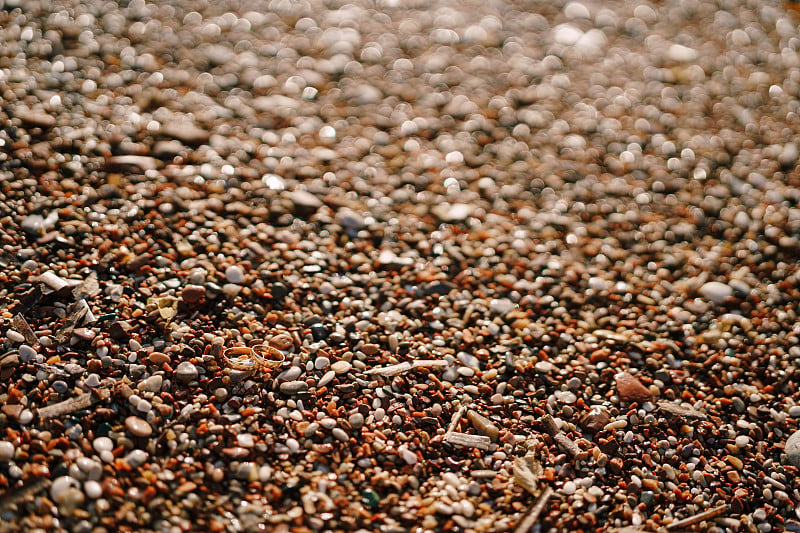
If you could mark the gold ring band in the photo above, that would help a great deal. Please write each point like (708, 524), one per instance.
(240, 358)
(272, 357)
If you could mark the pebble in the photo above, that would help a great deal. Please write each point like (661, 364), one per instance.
(7, 450)
(341, 367)
(60, 489)
(103, 444)
(92, 489)
(14, 336)
(293, 387)
(138, 427)
(193, 293)
(151, 384)
(26, 353)
(501, 306)
(186, 372)
(326, 378)
(716, 292)
(356, 420)
(245, 440)
(792, 449)
(340, 434)
(631, 389)
(234, 274)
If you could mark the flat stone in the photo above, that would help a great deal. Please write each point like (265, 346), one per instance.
(138, 427)
(716, 292)
(7, 450)
(186, 372)
(294, 387)
(453, 212)
(304, 200)
(186, 132)
(36, 119)
(131, 163)
(631, 389)
(341, 367)
(595, 420)
(193, 293)
(158, 358)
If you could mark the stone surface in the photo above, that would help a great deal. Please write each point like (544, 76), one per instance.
(631, 389)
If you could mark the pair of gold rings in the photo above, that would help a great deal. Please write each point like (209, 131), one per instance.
(258, 357)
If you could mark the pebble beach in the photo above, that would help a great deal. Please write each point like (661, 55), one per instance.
(382, 265)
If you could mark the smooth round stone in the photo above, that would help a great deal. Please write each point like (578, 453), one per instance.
(356, 420)
(501, 306)
(26, 353)
(14, 336)
(326, 378)
(792, 449)
(61, 486)
(138, 427)
(340, 434)
(92, 489)
(193, 293)
(716, 292)
(186, 372)
(136, 458)
(794, 411)
(569, 488)
(151, 384)
(340, 367)
(321, 363)
(293, 387)
(234, 274)
(103, 444)
(6, 451)
(379, 414)
(290, 374)
(245, 440)
(92, 381)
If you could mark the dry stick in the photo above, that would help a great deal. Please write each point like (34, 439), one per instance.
(564, 442)
(533, 515)
(73, 404)
(699, 517)
(456, 419)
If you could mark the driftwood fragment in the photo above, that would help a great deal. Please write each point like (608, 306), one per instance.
(468, 441)
(566, 444)
(677, 409)
(73, 404)
(699, 517)
(405, 366)
(532, 516)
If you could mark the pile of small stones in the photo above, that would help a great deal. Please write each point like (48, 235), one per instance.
(484, 234)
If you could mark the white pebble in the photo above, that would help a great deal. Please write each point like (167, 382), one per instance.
(234, 274)
(103, 444)
(6, 451)
(245, 440)
(569, 488)
(14, 336)
(92, 489)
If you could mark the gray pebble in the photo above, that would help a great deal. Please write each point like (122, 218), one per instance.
(792, 449)
(186, 372)
(293, 387)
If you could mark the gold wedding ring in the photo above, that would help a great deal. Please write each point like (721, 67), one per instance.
(266, 356)
(260, 356)
(239, 358)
